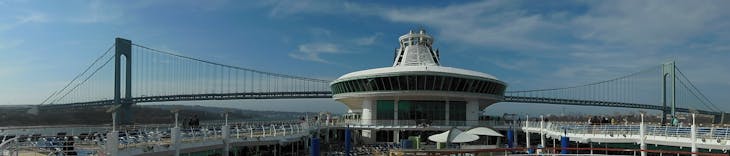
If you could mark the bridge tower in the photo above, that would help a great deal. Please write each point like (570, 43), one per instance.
(669, 77)
(123, 48)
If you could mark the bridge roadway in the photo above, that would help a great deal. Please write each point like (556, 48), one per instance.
(542, 100)
(328, 94)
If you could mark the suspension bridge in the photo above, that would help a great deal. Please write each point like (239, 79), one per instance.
(142, 74)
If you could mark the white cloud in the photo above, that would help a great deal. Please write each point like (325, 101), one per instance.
(368, 40)
(98, 11)
(312, 51)
(28, 17)
(478, 23)
(4, 44)
(649, 22)
(34, 17)
(320, 32)
(7, 71)
(290, 7)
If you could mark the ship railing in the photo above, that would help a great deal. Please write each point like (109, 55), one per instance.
(426, 123)
(703, 133)
(241, 132)
(92, 139)
(63, 145)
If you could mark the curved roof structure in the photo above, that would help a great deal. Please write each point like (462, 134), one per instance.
(389, 71)
(417, 72)
(483, 131)
(453, 136)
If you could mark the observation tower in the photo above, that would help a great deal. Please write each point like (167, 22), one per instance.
(415, 90)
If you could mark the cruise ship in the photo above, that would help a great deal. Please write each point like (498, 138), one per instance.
(417, 106)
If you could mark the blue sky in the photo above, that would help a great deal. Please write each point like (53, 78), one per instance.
(529, 45)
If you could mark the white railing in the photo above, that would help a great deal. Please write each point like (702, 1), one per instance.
(633, 129)
(146, 135)
(424, 123)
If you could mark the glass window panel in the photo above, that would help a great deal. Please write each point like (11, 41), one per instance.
(411, 82)
(380, 83)
(348, 88)
(457, 111)
(483, 86)
(360, 85)
(486, 88)
(387, 83)
(405, 80)
(385, 110)
(474, 85)
(342, 87)
(467, 83)
(353, 88)
(434, 82)
(465, 86)
(429, 82)
(447, 83)
(336, 88)
(439, 82)
(402, 83)
(421, 110)
(405, 110)
(455, 84)
(501, 89)
(372, 84)
(491, 89)
(420, 82)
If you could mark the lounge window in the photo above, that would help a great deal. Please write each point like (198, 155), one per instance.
(403, 82)
(455, 84)
(388, 83)
(429, 83)
(412, 82)
(447, 83)
(420, 82)
(347, 86)
(385, 109)
(379, 83)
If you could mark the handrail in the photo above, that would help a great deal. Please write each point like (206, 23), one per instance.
(6, 142)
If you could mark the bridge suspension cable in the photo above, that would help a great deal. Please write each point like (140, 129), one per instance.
(190, 76)
(633, 91)
(56, 96)
(158, 75)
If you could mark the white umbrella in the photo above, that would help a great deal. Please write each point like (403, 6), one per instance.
(453, 136)
(483, 131)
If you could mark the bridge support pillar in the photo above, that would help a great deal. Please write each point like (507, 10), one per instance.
(123, 48)
(642, 136)
(693, 135)
(668, 72)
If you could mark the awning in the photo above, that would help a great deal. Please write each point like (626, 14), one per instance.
(483, 131)
(454, 136)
